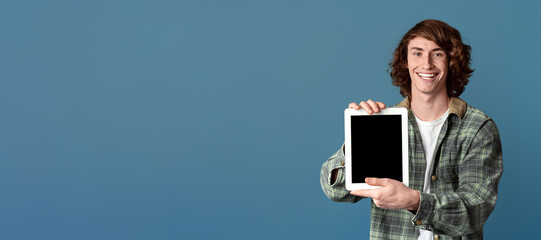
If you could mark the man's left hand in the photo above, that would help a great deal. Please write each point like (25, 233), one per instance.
(392, 194)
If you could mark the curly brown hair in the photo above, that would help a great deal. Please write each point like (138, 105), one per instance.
(449, 40)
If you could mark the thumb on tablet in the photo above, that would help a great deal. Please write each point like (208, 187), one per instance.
(375, 181)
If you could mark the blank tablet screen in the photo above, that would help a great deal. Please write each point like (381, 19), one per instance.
(376, 143)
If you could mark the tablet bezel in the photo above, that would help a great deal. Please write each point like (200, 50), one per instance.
(403, 112)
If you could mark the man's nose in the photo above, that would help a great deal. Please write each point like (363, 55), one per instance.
(427, 62)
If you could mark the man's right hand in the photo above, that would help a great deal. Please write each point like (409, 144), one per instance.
(368, 106)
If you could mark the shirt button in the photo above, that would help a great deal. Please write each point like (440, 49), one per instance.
(455, 177)
(342, 162)
(436, 237)
(434, 178)
(418, 222)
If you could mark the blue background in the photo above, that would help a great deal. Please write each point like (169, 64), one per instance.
(211, 119)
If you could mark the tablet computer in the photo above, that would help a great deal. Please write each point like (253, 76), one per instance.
(376, 146)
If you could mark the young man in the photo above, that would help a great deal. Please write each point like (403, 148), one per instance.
(454, 149)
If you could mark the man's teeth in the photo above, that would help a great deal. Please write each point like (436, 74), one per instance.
(426, 76)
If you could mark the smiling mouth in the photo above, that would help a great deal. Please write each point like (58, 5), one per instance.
(427, 76)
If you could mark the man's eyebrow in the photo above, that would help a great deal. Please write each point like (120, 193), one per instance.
(421, 49)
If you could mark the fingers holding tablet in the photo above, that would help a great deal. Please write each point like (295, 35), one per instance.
(392, 194)
(369, 106)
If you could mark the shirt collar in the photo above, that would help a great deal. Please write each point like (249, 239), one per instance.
(456, 106)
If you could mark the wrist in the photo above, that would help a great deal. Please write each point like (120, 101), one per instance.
(415, 199)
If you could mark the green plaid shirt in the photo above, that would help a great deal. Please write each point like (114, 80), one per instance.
(464, 186)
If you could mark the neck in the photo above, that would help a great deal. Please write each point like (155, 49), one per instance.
(429, 107)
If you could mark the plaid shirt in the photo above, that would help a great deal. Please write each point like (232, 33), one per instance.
(464, 186)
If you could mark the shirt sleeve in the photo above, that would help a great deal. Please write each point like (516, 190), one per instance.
(466, 210)
(336, 191)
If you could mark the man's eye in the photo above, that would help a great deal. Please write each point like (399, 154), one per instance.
(416, 54)
(438, 54)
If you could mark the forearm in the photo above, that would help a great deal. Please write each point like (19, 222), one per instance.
(453, 214)
(335, 188)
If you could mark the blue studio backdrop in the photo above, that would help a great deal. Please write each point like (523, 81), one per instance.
(211, 119)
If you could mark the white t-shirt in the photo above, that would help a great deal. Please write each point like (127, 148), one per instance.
(429, 135)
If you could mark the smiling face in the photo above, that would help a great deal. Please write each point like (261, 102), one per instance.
(427, 66)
